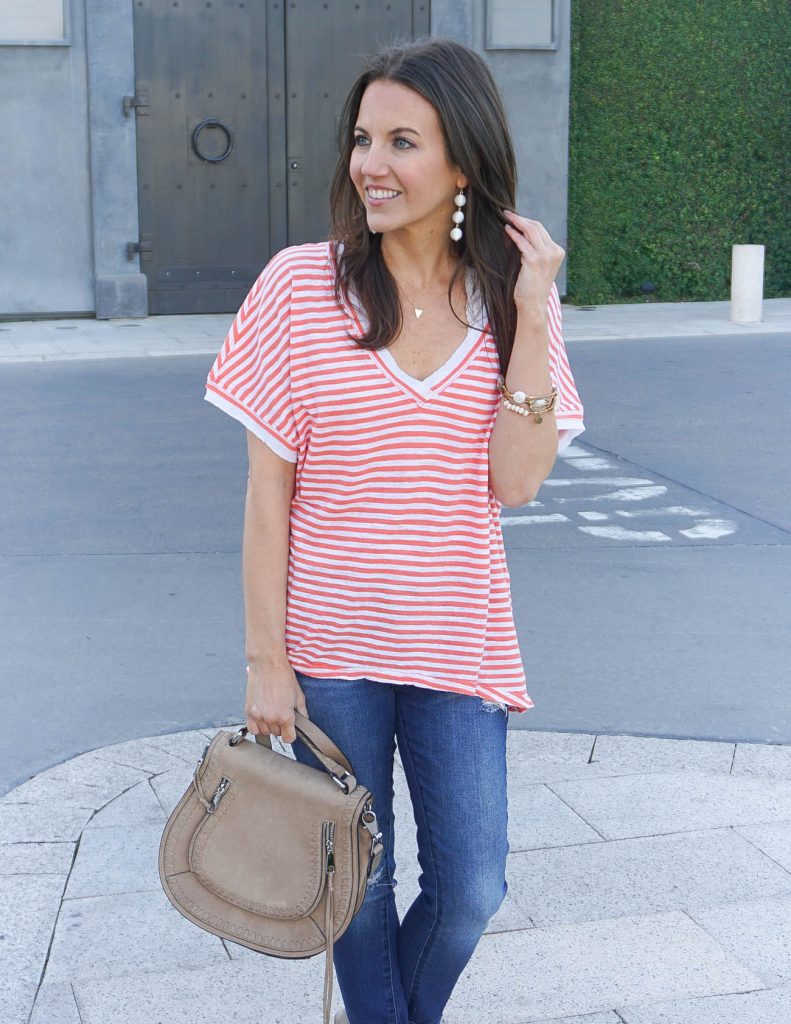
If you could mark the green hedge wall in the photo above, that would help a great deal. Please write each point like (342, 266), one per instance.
(678, 146)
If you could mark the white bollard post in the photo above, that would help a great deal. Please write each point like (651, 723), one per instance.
(747, 283)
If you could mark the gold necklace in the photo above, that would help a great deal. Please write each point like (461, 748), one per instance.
(418, 312)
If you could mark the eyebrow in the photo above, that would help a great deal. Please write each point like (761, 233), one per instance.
(393, 131)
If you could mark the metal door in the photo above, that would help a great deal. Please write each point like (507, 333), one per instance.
(326, 44)
(236, 105)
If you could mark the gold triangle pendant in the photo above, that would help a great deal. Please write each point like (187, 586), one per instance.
(418, 313)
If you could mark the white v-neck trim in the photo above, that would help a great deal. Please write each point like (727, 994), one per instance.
(425, 386)
(475, 315)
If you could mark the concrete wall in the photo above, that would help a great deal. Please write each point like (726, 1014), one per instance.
(535, 88)
(121, 289)
(46, 257)
(68, 192)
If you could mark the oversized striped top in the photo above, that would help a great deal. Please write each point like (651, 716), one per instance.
(397, 569)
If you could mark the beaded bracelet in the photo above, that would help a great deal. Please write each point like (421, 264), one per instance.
(518, 401)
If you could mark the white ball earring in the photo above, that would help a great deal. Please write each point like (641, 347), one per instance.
(458, 216)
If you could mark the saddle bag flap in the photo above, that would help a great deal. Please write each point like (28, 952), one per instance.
(264, 846)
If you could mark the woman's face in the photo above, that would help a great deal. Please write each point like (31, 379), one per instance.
(399, 147)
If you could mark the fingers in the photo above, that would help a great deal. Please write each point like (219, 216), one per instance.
(284, 728)
(518, 219)
(254, 727)
(273, 725)
(519, 240)
(532, 240)
(270, 706)
(527, 227)
(532, 253)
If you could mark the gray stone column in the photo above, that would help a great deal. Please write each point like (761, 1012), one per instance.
(121, 289)
(535, 86)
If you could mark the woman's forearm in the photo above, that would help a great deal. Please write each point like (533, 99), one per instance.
(265, 551)
(522, 452)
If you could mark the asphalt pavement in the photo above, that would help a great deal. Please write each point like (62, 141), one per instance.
(661, 538)
(649, 789)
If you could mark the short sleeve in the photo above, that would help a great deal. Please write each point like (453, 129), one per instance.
(568, 407)
(250, 379)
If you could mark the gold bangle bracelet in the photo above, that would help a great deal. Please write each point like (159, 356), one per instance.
(523, 411)
(518, 401)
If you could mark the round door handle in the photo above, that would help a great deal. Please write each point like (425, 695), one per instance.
(217, 125)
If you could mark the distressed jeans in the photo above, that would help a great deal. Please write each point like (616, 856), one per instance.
(452, 748)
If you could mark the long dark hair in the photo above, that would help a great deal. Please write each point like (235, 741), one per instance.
(458, 84)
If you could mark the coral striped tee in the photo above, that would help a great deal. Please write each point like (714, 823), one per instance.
(397, 569)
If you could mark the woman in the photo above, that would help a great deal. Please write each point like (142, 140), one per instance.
(381, 449)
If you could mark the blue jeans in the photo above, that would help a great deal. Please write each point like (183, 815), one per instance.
(452, 748)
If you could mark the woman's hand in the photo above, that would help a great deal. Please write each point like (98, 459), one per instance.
(541, 260)
(272, 695)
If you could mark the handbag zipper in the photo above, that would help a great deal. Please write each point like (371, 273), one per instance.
(219, 793)
(210, 805)
(368, 820)
(329, 843)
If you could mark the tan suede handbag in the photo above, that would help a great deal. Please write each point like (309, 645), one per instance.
(269, 852)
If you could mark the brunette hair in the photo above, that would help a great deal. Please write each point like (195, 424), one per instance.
(457, 82)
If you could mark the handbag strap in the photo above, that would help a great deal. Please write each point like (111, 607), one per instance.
(329, 934)
(318, 740)
(322, 747)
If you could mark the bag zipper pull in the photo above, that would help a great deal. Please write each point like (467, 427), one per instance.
(218, 795)
(329, 845)
(369, 821)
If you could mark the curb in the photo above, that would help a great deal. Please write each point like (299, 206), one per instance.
(23, 341)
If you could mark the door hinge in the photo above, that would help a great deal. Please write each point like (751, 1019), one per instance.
(143, 247)
(138, 102)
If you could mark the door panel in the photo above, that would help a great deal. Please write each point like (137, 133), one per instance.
(236, 111)
(326, 44)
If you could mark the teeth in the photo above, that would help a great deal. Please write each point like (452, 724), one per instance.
(376, 194)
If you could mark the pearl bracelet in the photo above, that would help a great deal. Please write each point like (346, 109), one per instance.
(518, 401)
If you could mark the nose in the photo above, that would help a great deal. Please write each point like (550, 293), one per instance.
(373, 165)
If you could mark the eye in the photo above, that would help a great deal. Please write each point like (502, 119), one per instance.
(400, 138)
